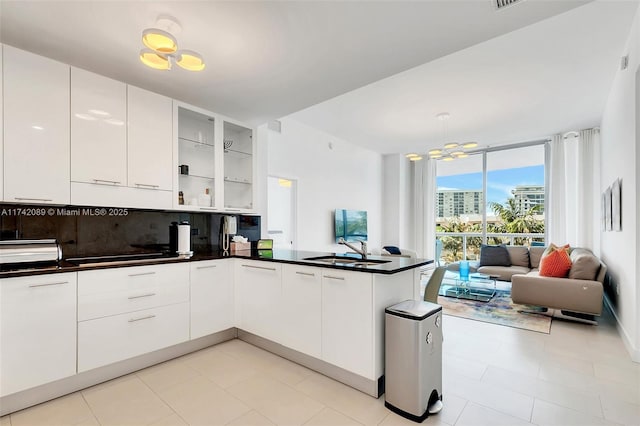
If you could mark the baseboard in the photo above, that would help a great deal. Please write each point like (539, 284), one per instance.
(633, 351)
(374, 388)
(33, 396)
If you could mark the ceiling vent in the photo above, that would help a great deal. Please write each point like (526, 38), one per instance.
(501, 4)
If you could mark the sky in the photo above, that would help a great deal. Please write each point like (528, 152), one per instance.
(499, 182)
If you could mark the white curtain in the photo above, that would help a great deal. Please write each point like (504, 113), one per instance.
(556, 210)
(573, 209)
(424, 208)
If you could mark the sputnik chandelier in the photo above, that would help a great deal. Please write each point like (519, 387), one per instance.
(162, 48)
(450, 150)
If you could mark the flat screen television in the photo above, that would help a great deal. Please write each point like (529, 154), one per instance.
(351, 225)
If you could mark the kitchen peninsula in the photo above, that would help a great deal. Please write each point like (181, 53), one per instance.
(324, 313)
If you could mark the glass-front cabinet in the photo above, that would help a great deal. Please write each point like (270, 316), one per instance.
(238, 167)
(215, 162)
(196, 160)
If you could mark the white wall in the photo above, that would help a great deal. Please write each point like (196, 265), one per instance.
(331, 173)
(619, 159)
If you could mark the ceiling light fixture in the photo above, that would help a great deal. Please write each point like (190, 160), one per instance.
(450, 150)
(162, 48)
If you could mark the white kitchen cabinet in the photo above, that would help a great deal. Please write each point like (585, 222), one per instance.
(36, 128)
(125, 312)
(238, 167)
(259, 294)
(198, 157)
(348, 321)
(149, 140)
(1, 126)
(302, 309)
(98, 129)
(37, 330)
(212, 297)
(103, 341)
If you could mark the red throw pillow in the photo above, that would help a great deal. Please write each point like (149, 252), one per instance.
(556, 264)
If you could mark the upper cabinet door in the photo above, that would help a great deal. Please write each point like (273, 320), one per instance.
(1, 133)
(239, 167)
(150, 138)
(36, 128)
(98, 129)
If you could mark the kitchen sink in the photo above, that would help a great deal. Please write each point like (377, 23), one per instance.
(347, 260)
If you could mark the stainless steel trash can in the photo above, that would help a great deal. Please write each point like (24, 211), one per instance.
(413, 359)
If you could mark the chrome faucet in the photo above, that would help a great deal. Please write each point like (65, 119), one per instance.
(363, 247)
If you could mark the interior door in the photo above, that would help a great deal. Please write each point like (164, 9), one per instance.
(281, 217)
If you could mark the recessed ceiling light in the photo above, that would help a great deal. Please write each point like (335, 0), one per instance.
(435, 152)
(416, 158)
(451, 145)
(410, 155)
(470, 145)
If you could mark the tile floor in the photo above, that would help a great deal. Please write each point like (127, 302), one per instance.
(492, 375)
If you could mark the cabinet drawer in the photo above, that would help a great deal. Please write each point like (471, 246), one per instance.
(115, 291)
(107, 340)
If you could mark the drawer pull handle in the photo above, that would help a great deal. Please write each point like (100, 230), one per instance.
(259, 267)
(147, 185)
(334, 278)
(309, 274)
(32, 199)
(141, 274)
(142, 318)
(232, 210)
(105, 182)
(208, 208)
(142, 295)
(206, 267)
(48, 284)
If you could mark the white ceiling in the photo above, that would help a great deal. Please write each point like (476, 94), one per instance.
(547, 78)
(268, 59)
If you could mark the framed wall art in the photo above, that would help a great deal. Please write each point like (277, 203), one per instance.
(607, 208)
(616, 206)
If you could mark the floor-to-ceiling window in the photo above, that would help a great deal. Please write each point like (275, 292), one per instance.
(493, 196)
(460, 208)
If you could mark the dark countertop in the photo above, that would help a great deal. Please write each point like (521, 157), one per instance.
(394, 264)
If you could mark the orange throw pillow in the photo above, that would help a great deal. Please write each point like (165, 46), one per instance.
(556, 264)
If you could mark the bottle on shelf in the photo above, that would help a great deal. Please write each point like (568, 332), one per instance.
(180, 198)
(205, 199)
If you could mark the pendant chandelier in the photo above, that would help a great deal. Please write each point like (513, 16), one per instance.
(162, 48)
(450, 150)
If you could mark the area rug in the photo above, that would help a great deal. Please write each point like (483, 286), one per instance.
(499, 310)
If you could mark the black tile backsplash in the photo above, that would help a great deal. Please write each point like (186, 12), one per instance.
(94, 231)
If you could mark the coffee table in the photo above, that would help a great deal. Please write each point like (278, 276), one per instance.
(478, 287)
